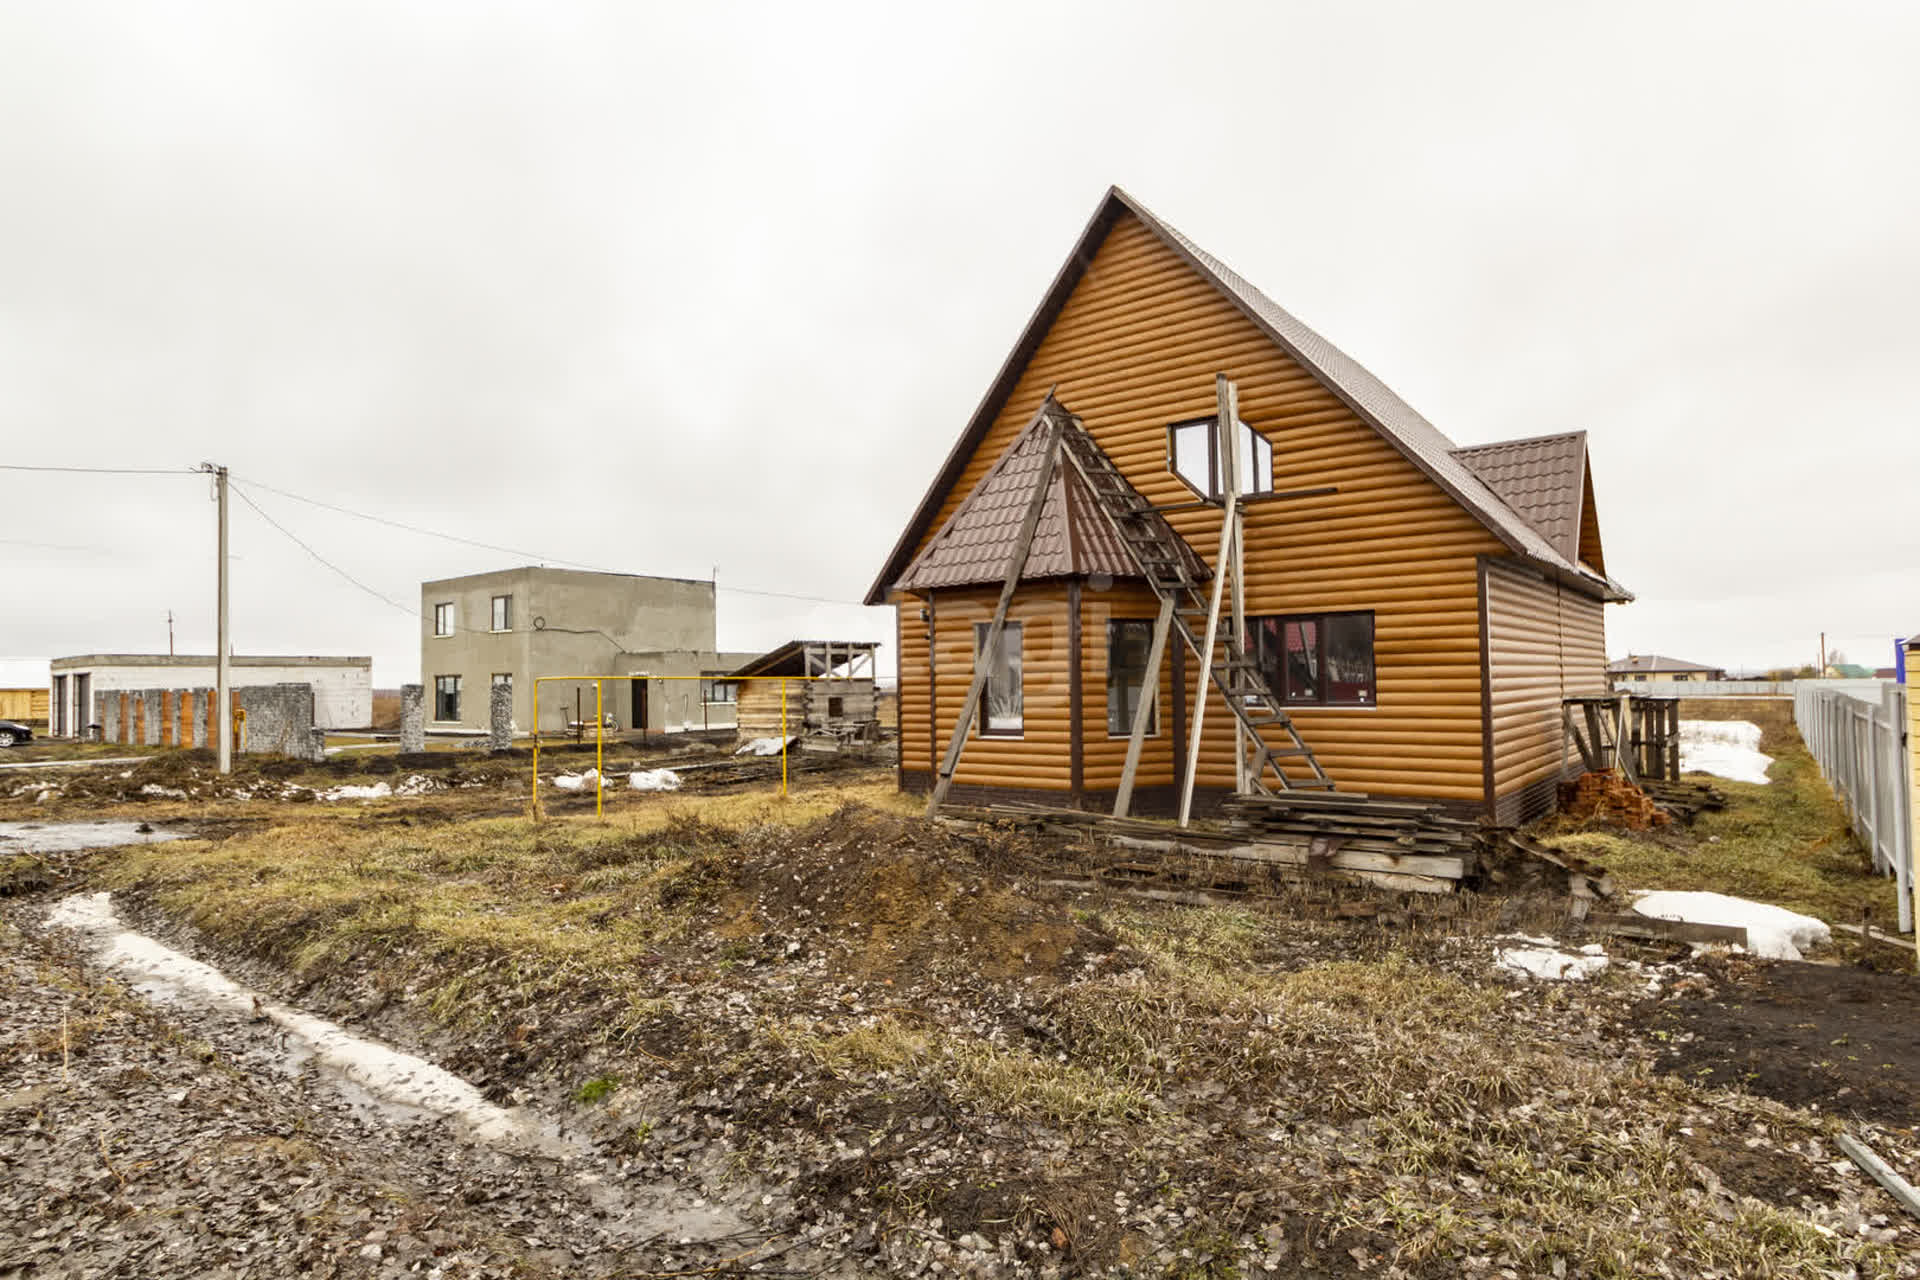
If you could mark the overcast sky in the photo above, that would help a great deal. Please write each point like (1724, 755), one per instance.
(700, 288)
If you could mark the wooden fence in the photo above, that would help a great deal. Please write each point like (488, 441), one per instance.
(1861, 747)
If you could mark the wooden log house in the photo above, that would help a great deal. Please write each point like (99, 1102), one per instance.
(829, 696)
(1421, 609)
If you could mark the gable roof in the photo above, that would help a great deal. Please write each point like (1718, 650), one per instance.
(1073, 537)
(1650, 662)
(1370, 399)
(1543, 479)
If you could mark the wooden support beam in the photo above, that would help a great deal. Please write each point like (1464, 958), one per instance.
(1143, 712)
(989, 653)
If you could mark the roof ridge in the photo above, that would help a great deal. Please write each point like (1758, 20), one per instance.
(1520, 440)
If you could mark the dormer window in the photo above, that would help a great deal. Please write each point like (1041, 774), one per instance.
(1193, 454)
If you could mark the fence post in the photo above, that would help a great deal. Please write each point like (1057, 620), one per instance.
(1893, 699)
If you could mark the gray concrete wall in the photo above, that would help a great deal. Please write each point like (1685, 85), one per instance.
(279, 719)
(563, 622)
(413, 719)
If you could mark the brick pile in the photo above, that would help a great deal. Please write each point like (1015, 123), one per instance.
(1607, 796)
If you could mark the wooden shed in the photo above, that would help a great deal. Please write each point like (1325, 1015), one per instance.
(1414, 612)
(828, 687)
(30, 707)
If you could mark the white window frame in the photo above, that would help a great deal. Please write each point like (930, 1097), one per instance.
(1252, 484)
(500, 613)
(1012, 642)
(457, 692)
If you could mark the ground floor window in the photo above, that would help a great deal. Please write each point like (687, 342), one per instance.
(1129, 640)
(1002, 710)
(503, 678)
(714, 689)
(446, 697)
(1316, 659)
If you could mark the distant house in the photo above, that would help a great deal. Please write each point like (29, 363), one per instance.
(656, 635)
(1638, 668)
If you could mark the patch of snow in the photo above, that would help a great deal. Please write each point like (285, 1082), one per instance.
(417, 784)
(68, 837)
(1774, 932)
(170, 793)
(378, 791)
(1727, 749)
(762, 747)
(654, 780)
(578, 781)
(1544, 958)
(397, 1079)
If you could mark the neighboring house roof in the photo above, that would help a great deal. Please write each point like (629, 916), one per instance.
(1851, 670)
(1370, 399)
(1651, 662)
(1073, 538)
(790, 659)
(1544, 479)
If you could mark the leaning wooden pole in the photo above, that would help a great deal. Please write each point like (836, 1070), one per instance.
(1143, 712)
(1206, 669)
(1227, 431)
(990, 651)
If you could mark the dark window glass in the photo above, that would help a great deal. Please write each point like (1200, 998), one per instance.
(1128, 644)
(1317, 659)
(1193, 449)
(720, 691)
(1004, 707)
(446, 697)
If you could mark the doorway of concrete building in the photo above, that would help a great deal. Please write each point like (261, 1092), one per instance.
(83, 705)
(638, 723)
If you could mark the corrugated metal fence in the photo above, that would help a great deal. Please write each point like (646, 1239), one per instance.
(1861, 747)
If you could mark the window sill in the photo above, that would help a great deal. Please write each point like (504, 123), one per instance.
(1012, 735)
(1292, 707)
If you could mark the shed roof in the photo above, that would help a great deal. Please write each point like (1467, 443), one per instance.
(1370, 399)
(1073, 538)
(790, 659)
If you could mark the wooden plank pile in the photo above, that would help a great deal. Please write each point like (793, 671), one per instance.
(1684, 800)
(1608, 795)
(1400, 845)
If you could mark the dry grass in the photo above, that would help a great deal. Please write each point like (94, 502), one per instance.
(1786, 842)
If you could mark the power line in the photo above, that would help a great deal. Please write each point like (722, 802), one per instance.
(529, 555)
(242, 493)
(106, 471)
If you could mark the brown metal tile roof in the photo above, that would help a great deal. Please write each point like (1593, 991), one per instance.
(1542, 478)
(1372, 400)
(1074, 538)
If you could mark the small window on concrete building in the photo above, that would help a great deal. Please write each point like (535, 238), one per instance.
(1128, 643)
(446, 697)
(503, 678)
(503, 613)
(1003, 707)
(714, 689)
(1193, 455)
(443, 619)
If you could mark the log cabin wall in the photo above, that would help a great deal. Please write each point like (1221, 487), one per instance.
(1040, 757)
(1135, 349)
(1545, 642)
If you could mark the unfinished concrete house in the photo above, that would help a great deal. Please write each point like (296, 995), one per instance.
(821, 691)
(1122, 603)
(654, 636)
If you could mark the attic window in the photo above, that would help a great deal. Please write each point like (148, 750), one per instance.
(1193, 455)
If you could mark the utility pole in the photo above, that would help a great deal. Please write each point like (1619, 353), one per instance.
(222, 713)
(169, 633)
(1821, 674)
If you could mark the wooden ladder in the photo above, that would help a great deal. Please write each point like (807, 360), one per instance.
(1168, 569)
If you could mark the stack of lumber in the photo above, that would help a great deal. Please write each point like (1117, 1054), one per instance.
(1684, 800)
(1364, 841)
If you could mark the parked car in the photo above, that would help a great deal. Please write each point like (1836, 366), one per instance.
(14, 734)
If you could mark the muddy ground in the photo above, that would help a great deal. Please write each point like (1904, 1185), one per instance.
(896, 1046)
(1834, 1038)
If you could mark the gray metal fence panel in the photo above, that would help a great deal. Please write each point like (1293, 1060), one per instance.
(1860, 744)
